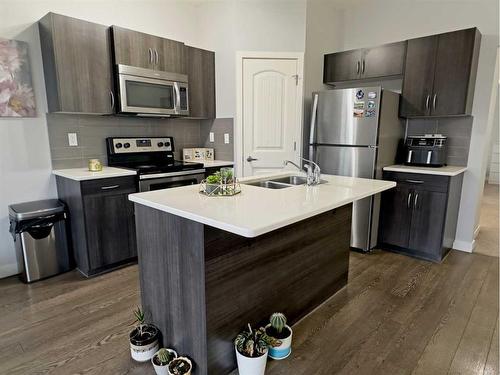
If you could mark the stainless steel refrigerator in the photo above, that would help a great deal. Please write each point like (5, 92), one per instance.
(356, 132)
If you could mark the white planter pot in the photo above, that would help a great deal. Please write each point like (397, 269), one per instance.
(251, 366)
(188, 361)
(162, 370)
(144, 353)
(284, 350)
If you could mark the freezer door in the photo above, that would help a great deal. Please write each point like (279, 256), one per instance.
(355, 162)
(347, 116)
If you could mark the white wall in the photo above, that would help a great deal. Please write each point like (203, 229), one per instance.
(368, 23)
(247, 25)
(221, 25)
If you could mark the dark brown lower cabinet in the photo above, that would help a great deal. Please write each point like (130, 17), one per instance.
(102, 222)
(419, 216)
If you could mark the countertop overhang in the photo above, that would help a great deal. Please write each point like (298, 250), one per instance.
(257, 210)
(83, 174)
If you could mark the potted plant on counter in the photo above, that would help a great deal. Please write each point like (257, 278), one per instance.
(180, 366)
(213, 182)
(282, 332)
(251, 351)
(161, 359)
(143, 338)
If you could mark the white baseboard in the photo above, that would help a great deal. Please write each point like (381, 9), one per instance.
(7, 270)
(466, 246)
(476, 232)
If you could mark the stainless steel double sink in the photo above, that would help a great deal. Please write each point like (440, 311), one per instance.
(281, 182)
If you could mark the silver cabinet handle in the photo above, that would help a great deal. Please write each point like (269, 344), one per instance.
(150, 51)
(408, 200)
(363, 65)
(157, 57)
(415, 181)
(357, 67)
(434, 101)
(109, 187)
(112, 99)
(415, 201)
(427, 100)
(250, 159)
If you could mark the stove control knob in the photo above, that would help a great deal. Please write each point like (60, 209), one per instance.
(126, 145)
(118, 145)
(167, 144)
(160, 144)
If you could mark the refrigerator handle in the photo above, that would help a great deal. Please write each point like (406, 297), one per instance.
(312, 128)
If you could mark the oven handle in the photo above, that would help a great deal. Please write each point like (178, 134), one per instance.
(171, 174)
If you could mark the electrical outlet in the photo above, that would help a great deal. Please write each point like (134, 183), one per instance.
(211, 136)
(72, 139)
(226, 138)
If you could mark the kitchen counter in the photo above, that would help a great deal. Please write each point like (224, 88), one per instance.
(448, 170)
(217, 163)
(257, 210)
(210, 265)
(82, 174)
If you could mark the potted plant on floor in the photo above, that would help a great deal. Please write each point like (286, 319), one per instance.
(251, 351)
(161, 359)
(282, 332)
(180, 366)
(143, 338)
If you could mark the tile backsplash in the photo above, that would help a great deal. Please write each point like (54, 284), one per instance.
(457, 129)
(219, 126)
(92, 132)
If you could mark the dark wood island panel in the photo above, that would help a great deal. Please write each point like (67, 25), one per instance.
(201, 285)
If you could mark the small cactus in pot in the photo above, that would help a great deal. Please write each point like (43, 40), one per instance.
(162, 359)
(278, 329)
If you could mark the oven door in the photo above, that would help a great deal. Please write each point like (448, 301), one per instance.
(148, 95)
(160, 181)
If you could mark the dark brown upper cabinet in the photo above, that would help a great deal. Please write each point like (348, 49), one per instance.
(148, 51)
(201, 73)
(77, 65)
(384, 61)
(440, 74)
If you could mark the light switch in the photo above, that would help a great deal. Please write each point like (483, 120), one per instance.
(226, 138)
(72, 139)
(211, 136)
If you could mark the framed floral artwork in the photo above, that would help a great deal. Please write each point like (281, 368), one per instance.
(17, 98)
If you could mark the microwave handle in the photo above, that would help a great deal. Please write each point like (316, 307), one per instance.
(177, 98)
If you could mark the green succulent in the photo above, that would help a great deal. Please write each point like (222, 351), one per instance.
(214, 178)
(278, 321)
(253, 343)
(165, 356)
(139, 319)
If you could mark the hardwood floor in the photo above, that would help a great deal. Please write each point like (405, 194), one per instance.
(397, 315)
(487, 239)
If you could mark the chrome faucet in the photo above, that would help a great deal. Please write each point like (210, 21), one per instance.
(313, 171)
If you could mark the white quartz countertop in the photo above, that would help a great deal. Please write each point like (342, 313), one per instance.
(81, 174)
(448, 170)
(257, 210)
(217, 163)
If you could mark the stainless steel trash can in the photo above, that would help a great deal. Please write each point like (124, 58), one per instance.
(39, 232)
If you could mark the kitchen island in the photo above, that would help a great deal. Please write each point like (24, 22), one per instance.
(210, 265)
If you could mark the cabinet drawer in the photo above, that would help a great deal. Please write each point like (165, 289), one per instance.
(105, 185)
(420, 181)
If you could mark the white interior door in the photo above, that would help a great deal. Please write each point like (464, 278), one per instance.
(271, 113)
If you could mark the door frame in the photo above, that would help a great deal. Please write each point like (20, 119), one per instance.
(238, 129)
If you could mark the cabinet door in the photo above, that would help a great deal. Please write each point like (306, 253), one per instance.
(133, 48)
(201, 74)
(456, 66)
(77, 65)
(383, 61)
(395, 216)
(342, 66)
(110, 224)
(418, 77)
(171, 56)
(427, 222)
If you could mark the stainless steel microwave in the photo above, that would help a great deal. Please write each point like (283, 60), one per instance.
(146, 92)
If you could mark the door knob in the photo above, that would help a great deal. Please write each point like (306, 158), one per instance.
(250, 159)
